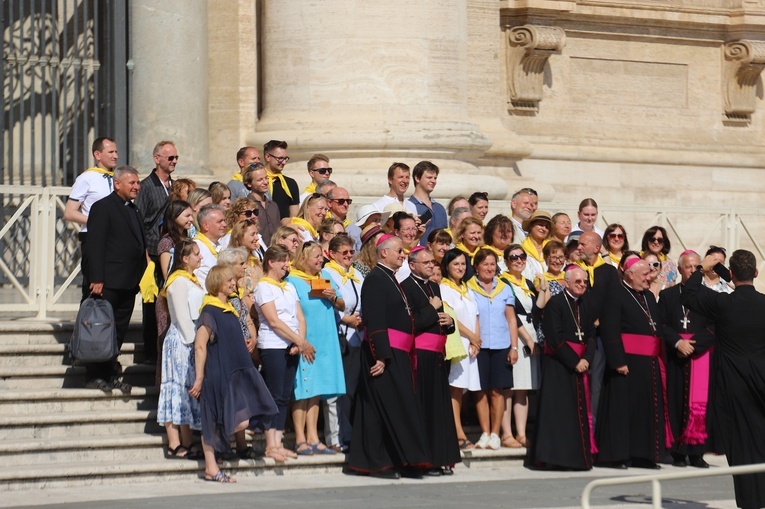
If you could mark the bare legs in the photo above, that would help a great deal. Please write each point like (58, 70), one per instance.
(305, 416)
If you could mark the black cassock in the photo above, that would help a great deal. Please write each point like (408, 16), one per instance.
(432, 373)
(631, 417)
(737, 400)
(676, 320)
(563, 427)
(388, 429)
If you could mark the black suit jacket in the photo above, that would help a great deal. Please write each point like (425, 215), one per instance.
(116, 243)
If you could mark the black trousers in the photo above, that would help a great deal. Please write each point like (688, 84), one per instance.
(123, 302)
(149, 317)
(84, 266)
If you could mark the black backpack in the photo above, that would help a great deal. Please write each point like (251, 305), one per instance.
(94, 338)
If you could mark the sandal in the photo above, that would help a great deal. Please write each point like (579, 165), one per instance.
(522, 440)
(247, 454)
(174, 454)
(325, 450)
(511, 442)
(101, 385)
(275, 455)
(465, 444)
(219, 477)
(307, 451)
(286, 453)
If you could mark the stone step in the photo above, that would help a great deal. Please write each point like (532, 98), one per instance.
(46, 377)
(33, 355)
(33, 332)
(44, 401)
(30, 477)
(52, 426)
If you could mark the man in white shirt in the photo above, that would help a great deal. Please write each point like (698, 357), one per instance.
(398, 183)
(523, 204)
(212, 227)
(89, 187)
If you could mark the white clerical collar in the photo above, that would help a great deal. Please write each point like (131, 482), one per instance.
(576, 299)
(390, 269)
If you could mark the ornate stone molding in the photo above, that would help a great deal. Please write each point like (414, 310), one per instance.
(529, 48)
(744, 62)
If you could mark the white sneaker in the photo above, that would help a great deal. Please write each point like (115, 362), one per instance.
(494, 442)
(483, 441)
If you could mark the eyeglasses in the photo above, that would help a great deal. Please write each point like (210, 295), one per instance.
(557, 258)
(516, 257)
(346, 252)
(615, 235)
(654, 265)
(580, 281)
(171, 158)
(342, 201)
(250, 213)
(280, 160)
(657, 240)
(322, 171)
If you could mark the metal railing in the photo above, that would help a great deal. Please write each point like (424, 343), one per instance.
(656, 479)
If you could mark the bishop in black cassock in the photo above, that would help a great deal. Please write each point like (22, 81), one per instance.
(388, 430)
(431, 326)
(564, 439)
(631, 425)
(688, 338)
(737, 401)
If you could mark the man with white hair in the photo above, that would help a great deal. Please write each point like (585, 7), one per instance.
(632, 428)
(389, 436)
(523, 203)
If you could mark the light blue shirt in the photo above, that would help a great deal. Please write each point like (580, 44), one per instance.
(495, 332)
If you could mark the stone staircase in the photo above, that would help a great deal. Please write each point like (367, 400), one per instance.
(56, 433)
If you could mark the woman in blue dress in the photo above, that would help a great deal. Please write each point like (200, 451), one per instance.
(324, 378)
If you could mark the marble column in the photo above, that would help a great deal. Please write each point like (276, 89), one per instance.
(169, 92)
(368, 83)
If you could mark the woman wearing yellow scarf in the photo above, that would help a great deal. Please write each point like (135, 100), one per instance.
(497, 236)
(555, 258)
(309, 217)
(538, 226)
(469, 238)
(615, 244)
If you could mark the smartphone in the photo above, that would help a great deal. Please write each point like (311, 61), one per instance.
(426, 216)
(721, 271)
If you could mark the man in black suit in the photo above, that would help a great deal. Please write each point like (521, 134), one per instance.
(117, 252)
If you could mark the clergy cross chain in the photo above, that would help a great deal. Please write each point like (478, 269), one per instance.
(579, 335)
(685, 322)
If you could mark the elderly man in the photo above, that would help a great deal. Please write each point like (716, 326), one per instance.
(339, 201)
(455, 219)
(687, 342)
(245, 157)
(564, 436)
(116, 248)
(212, 227)
(737, 406)
(388, 431)
(524, 202)
(431, 326)
(632, 423)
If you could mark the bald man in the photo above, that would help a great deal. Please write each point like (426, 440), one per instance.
(632, 429)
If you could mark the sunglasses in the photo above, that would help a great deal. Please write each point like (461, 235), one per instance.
(171, 158)
(342, 201)
(654, 265)
(250, 213)
(615, 235)
(528, 190)
(580, 281)
(657, 240)
(513, 258)
(346, 252)
(323, 171)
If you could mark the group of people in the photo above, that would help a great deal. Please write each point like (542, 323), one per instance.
(273, 300)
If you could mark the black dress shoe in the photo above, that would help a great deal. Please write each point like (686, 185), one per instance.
(698, 462)
(411, 473)
(679, 463)
(447, 471)
(619, 465)
(643, 463)
(433, 472)
(388, 473)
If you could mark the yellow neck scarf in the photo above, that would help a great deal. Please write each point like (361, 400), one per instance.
(500, 254)
(272, 281)
(474, 285)
(661, 256)
(349, 274)
(175, 275)
(346, 222)
(310, 188)
(299, 221)
(211, 300)
(614, 258)
(208, 244)
(462, 289)
(531, 249)
(253, 261)
(237, 177)
(280, 177)
(552, 277)
(519, 282)
(464, 249)
(303, 275)
(591, 269)
(101, 170)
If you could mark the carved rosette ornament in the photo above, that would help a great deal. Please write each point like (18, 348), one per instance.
(529, 48)
(744, 62)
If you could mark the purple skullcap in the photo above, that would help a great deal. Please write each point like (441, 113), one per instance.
(632, 261)
(571, 267)
(688, 251)
(416, 249)
(384, 238)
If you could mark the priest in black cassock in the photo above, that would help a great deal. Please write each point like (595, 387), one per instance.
(631, 427)
(564, 440)
(688, 338)
(389, 436)
(737, 400)
(431, 325)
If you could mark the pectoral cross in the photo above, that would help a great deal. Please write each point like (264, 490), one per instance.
(685, 322)
(579, 335)
(653, 324)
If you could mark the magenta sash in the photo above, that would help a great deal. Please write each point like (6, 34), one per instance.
(400, 340)
(695, 431)
(431, 342)
(650, 346)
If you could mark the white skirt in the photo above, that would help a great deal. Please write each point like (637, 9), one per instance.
(526, 372)
(464, 374)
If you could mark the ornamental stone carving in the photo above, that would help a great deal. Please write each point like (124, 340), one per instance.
(529, 48)
(744, 62)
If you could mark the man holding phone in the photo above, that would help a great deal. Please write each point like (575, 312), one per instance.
(432, 214)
